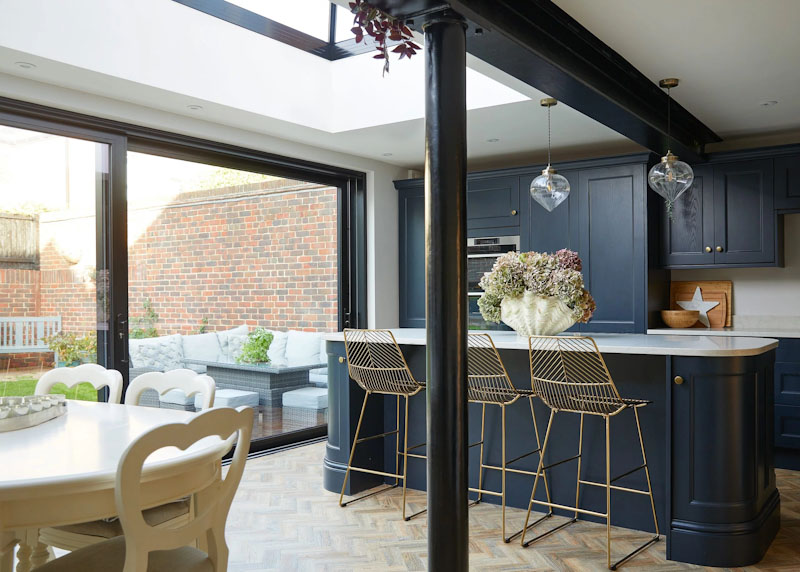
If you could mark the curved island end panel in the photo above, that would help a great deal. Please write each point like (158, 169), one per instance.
(708, 435)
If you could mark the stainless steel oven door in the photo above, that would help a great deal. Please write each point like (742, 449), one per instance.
(477, 266)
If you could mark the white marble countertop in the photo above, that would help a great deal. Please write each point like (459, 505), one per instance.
(736, 332)
(642, 344)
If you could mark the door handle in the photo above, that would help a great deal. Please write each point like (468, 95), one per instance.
(678, 380)
(708, 249)
(122, 324)
(719, 249)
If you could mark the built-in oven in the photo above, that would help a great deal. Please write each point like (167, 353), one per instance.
(482, 253)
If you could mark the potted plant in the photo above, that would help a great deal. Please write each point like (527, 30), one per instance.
(536, 293)
(66, 347)
(255, 348)
(87, 348)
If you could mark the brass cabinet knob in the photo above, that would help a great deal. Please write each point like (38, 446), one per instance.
(678, 380)
(341, 360)
(719, 249)
(708, 249)
(513, 212)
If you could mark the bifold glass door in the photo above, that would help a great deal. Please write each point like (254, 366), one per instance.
(54, 310)
(233, 274)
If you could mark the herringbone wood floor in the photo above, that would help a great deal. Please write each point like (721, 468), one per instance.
(282, 519)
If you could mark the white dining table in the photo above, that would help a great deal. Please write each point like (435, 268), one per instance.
(63, 472)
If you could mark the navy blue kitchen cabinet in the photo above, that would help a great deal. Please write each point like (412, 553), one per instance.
(744, 217)
(492, 203)
(787, 404)
(727, 219)
(787, 183)
(687, 239)
(543, 231)
(412, 253)
(612, 231)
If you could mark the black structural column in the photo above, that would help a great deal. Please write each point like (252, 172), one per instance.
(446, 303)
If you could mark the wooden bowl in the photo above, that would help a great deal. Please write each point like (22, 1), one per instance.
(680, 318)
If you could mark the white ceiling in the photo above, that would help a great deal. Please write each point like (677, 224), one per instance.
(730, 55)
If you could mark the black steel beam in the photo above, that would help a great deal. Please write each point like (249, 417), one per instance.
(543, 46)
(446, 301)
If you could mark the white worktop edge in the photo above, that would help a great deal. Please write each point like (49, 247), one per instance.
(733, 332)
(638, 344)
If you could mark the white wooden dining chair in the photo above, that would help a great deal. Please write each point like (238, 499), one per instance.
(144, 548)
(170, 515)
(92, 373)
(186, 380)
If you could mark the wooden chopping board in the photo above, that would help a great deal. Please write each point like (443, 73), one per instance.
(713, 291)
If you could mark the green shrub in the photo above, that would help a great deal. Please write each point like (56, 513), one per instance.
(255, 348)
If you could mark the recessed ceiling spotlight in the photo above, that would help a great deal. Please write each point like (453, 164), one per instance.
(493, 140)
(386, 154)
(768, 103)
(25, 65)
(194, 107)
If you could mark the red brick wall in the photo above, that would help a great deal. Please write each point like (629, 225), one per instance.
(262, 259)
(19, 291)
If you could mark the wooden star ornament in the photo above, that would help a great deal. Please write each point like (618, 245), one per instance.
(697, 303)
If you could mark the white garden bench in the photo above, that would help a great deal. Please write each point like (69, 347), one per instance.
(23, 335)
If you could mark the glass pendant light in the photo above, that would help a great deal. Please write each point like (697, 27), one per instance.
(671, 177)
(549, 189)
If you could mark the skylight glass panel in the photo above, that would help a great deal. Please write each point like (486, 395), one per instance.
(311, 17)
(344, 22)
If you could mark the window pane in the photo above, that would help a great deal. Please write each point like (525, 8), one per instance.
(216, 253)
(309, 16)
(344, 23)
(50, 283)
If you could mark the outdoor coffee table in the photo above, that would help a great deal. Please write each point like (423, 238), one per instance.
(269, 380)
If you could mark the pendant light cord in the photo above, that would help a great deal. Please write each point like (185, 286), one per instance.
(548, 136)
(669, 120)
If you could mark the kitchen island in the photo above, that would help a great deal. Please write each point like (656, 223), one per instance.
(708, 435)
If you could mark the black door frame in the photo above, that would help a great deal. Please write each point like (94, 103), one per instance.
(112, 214)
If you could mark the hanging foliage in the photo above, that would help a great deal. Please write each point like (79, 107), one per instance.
(384, 29)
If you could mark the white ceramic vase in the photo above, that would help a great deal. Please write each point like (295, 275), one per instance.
(533, 315)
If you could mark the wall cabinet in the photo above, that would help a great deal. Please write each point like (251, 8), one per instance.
(493, 202)
(726, 218)
(787, 182)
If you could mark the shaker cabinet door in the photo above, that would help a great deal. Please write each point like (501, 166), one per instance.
(787, 182)
(744, 218)
(612, 243)
(688, 238)
(493, 202)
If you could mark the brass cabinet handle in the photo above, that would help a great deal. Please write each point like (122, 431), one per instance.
(708, 249)
(341, 360)
(719, 249)
(513, 212)
(678, 380)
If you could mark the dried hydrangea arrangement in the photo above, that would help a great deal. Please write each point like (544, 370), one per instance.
(548, 275)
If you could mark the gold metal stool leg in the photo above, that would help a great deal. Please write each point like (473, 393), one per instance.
(549, 513)
(405, 468)
(350, 463)
(656, 537)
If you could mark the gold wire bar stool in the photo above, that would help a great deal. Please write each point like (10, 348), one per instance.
(570, 375)
(489, 384)
(377, 365)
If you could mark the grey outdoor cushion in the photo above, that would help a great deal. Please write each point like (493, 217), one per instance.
(162, 353)
(112, 527)
(109, 556)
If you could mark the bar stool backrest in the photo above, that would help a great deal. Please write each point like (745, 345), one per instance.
(376, 363)
(487, 379)
(569, 374)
